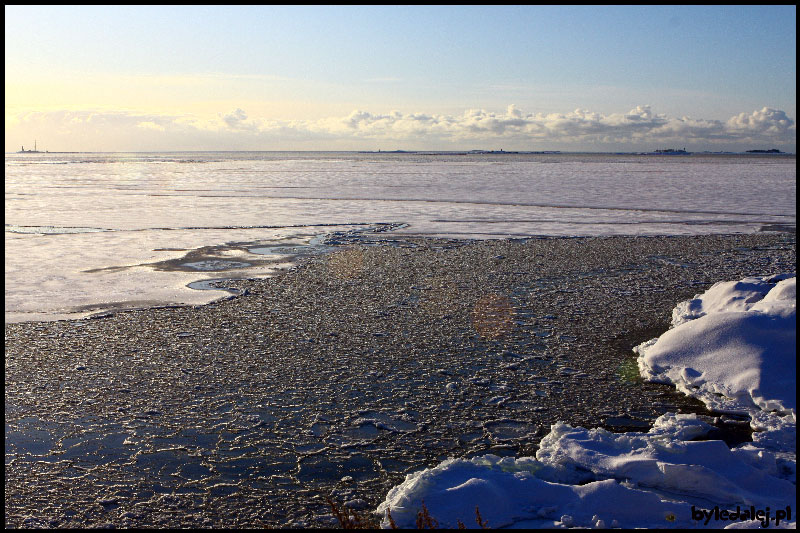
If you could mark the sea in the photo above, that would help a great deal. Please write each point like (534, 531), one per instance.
(90, 233)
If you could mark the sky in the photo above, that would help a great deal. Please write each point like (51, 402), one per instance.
(571, 78)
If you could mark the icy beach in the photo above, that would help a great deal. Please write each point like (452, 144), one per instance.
(733, 347)
(381, 314)
(339, 378)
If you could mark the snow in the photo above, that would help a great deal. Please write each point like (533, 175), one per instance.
(733, 347)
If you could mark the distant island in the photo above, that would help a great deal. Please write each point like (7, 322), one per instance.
(770, 151)
(668, 151)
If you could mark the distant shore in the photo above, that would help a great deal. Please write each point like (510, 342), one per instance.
(426, 152)
(342, 375)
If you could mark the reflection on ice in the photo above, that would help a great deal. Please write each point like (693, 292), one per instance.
(216, 265)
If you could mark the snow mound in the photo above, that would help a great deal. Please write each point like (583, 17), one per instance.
(733, 347)
(581, 477)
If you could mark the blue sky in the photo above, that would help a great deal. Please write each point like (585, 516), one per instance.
(414, 77)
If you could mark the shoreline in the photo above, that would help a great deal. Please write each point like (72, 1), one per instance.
(368, 363)
(379, 235)
(231, 261)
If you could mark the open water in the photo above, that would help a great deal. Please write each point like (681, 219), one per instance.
(91, 232)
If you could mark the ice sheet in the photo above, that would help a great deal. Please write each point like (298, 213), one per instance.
(71, 213)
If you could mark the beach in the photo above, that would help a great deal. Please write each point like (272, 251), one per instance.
(338, 377)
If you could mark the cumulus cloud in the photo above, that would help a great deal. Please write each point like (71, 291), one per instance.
(238, 121)
(581, 127)
(767, 121)
(638, 124)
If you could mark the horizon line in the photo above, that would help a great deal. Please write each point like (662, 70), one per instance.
(400, 151)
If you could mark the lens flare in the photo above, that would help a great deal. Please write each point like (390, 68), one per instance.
(493, 316)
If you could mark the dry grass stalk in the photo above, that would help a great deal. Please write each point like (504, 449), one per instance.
(354, 521)
(481, 522)
(425, 520)
(392, 524)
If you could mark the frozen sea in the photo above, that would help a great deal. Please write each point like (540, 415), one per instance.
(92, 232)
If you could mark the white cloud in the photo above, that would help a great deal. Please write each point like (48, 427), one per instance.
(639, 124)
(238, 121)
(767, 121)
(572, 130)
(150, 125)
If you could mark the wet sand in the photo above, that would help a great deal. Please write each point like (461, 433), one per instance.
(342, 375)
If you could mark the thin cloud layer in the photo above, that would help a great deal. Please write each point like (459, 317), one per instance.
(574, 130)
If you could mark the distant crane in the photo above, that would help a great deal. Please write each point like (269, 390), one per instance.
(34, 151)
